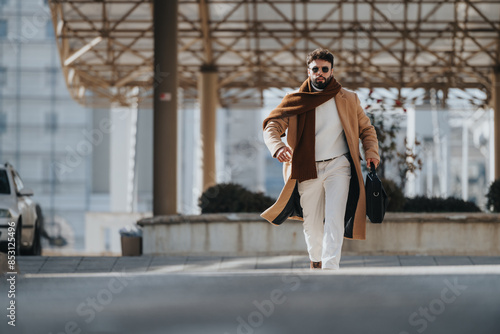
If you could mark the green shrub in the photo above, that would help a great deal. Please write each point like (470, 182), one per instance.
(494, 196)
(231, 197)
(394, 194)
(437, 204)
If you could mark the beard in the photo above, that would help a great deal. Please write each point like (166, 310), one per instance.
(322, 84)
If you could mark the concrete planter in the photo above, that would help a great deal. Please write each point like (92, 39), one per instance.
(474, 234)
(466, 234)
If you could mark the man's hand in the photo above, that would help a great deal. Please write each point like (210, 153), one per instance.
(284, 154)
(370, 160)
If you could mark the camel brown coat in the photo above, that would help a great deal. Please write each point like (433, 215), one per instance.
(356, 126)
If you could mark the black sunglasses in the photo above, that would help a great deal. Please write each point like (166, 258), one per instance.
(324, 69)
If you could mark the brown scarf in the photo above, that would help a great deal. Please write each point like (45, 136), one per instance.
(303, 104)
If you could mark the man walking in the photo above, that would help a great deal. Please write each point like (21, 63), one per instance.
(322, 169)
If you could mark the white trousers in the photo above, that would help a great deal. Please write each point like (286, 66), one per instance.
(323, 202)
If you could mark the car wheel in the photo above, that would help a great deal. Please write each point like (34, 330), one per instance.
(36, 246)
(17, 249)
(38, 242)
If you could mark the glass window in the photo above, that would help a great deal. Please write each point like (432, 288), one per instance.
(3, 28)
(51, 121)
(17, 180)
(3, 76)
(3, 122)
(4, 182)
(49, 30)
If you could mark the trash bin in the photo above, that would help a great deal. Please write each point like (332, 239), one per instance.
(131, 240)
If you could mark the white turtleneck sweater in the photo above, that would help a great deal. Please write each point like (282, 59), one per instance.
(330, 139)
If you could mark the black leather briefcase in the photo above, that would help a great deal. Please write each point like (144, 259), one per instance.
(376, 198)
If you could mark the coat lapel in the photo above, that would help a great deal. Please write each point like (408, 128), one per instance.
(342, 109)
(341, 103)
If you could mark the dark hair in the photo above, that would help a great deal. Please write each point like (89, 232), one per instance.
(322, 54)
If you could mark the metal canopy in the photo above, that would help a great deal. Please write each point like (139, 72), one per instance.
(106, 47)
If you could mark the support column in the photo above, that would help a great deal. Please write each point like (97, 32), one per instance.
(410, 142)
(491, 147)
(445, 151)
(438, 149)
(429, 157)
(165, 108)
(207, 90)
(122, 157)
(495, 90)
(465, 160)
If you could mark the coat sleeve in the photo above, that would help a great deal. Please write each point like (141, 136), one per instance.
(367, 133)
(273, 132)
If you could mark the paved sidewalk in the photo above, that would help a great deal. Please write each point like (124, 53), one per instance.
(259, 295)
(182, 264)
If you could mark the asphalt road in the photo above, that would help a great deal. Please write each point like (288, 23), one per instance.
(278, 302)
